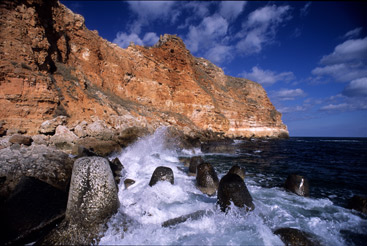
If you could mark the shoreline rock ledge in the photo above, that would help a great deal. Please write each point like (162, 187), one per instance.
(52, 66)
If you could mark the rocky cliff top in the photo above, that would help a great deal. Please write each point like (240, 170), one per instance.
(52, 65)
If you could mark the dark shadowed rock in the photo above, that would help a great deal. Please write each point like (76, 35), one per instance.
(128, 183)
(297, 184)
(358, 203)
(92, 201)
(194, 162)
(238, 170)
(162, 174)
(20, 139)
(131, 134)
(116, 167)
(206, 179)
(39, 161)
(83, 151)
(30, 210)
(2, 131)
(295, 237)
(233, 189)
(193, 216)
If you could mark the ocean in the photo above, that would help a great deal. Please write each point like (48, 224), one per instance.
(335, 167)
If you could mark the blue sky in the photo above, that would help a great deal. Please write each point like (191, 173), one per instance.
(311, 57)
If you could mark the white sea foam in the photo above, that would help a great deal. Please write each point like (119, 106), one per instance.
(144, 208)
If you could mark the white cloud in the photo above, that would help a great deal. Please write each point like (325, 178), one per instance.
(231, 9)
(353, 33)
(261, 27)
(350, 50)
(304, 11)
(287, 94)
(219, 53)
(285, 110)
(149, 11)
(356, 88)
(208, 38)
(335, 107)
(267, 77)
(123, 39)
(342, 72)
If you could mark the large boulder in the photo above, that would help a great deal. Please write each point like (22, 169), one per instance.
(31, 209)
(130, 135)
(358, 203)
(162, 174)
(100, 130)
(92, 201)
(206, 179)
(64, 138)
(233, 189)
(39, 161)
(295, 237)
(238, 170)
(297, 184)
(194, 162)
(49, 126)
(20, 139)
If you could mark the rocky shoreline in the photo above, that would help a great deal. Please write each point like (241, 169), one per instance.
(61, 192)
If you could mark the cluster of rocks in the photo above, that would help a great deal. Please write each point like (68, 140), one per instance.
(51, 197)
(96, 136)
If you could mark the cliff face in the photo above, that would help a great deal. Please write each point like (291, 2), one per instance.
(51, 64)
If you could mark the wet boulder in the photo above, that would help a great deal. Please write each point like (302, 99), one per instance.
(92, 201)
(34, 207)
(128, 183)
(194, 162)
(162, 174)
(21, 139)
(206, 179)
(233, 189)
(98, 146)
(193, 216)
(185, 161)
(295, 237)
(117, 169)
(358, 203)
(237, 170)
(298, 185)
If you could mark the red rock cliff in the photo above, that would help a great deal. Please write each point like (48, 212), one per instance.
(51, 64)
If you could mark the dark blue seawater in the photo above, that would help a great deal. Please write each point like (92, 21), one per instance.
(335, 167)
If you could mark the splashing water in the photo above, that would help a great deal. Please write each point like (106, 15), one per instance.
(143, 208)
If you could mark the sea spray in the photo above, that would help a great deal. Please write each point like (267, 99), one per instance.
(143, 208)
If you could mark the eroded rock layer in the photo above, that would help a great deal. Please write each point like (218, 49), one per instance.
(52, 65)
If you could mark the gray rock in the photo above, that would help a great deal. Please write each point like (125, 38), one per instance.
(295, 237)
(232, 188)
(206, 179)
(238, 170)
(193, 216)
(99, 130)
(162, 174)
(31, 209)
(194, 162)
(128, 183)
(49, 126)
(92, 201)
(63, 139)
(39, 161)
(297, 184)
(80, 129)
(358, 203)
(41, 139)
(20, 139)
